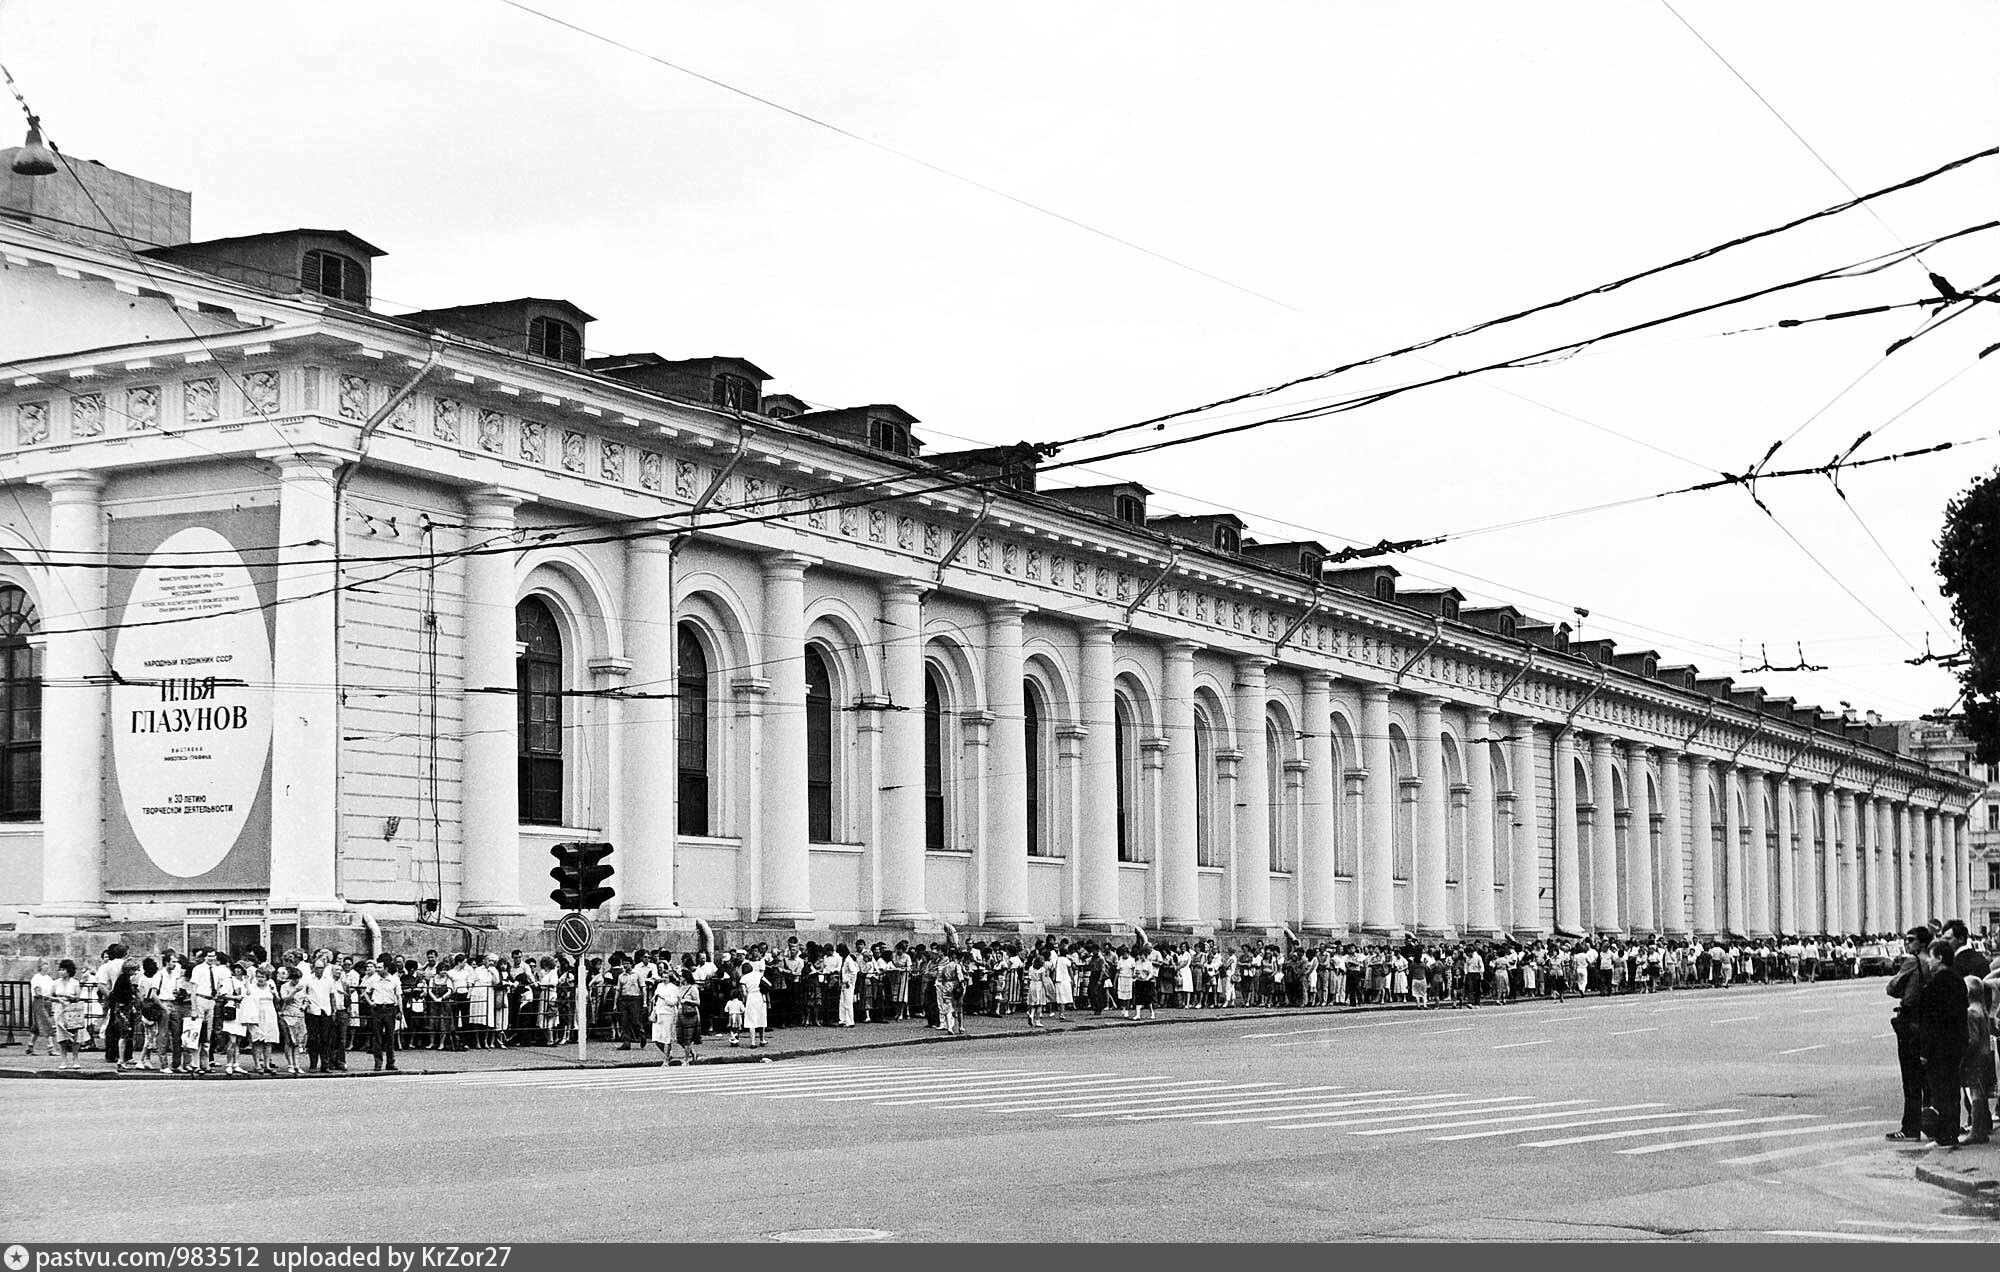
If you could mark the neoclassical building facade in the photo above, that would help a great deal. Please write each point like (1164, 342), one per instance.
(330, 617)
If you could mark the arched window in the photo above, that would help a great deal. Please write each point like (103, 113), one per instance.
(554, 338)
(538, 702)
(819, 748)
(691, 794)
(331, 274)
(1031, 730)
(1274, 769)
(1125, 764)
(1207, 852)
(1343, 809)
(1403, 833)
(20, 710)
(934, 840)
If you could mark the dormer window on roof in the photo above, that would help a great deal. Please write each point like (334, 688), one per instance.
(733, 391)
(1385, 588)
(889, 435)
(332, 274)
(1130, 509)
(1311, 563)
(1226, 539)
(555, 339)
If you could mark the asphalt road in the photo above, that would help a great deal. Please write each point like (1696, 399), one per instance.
(1746, 1114)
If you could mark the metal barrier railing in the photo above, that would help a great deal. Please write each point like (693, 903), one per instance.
(14, 1008)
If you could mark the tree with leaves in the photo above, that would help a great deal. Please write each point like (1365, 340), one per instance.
(1968, 561)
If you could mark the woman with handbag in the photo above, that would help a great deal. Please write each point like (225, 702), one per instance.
(257, 1012)
(229, 1010)
(291, 1015)
(72, 1014)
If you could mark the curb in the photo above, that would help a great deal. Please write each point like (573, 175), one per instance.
(1960, 1179)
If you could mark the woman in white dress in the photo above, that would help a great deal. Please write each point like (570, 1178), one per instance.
(257, 1014)
(756, 1010)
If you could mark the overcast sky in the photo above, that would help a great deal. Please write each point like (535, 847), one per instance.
(1311, 182)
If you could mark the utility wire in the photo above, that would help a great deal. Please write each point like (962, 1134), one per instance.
(1779, 116)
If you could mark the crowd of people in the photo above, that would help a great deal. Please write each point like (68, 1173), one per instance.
(1945, 988)
(208, 1013)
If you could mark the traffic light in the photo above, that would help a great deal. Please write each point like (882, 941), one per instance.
(580, 872)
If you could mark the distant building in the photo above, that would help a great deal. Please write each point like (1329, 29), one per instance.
(1941, 744)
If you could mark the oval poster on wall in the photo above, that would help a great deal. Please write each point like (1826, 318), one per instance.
(190, 713)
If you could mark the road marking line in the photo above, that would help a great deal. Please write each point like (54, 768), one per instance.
(765, 1081)
(808, 1091)
(774, 1087)
(1625, 1032)
(1509, 1046)
(1814, 1011)
(1515, 1117)
(549, 1077)
(1890, 1034)
(1730, 1139)
(1908, 1227)
(1753, 1158)
(1083, 1095)
(1433, 1033)
(1357, 1115)
(1294, 1033)
(1839, 1236)
(1358, 1100)
(951, 1086)
(1734, 1020)
(1818, 1046)
(1194, 1099)
(1564, 1126)
(1448, 1109)
(1664, 1130)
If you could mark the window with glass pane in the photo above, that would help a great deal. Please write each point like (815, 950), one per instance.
(1124, 757)
(20, 710)
(819, 749)
(692, 741)
(933, 762)
(538, 703)
(1032, 732)
(1207, 851)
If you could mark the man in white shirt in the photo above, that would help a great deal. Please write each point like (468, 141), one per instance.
(382, 995)
(209, 983)
(317, 986)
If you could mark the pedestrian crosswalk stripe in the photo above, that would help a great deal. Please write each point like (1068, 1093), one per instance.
(1457, 1113)
(1730, 1139)
(1036, 1078)
(1360, 1114)
(1518, 1117)
(1352, 1100)
(783, 1086)
(1796, 1150)
(1410, 1112)
(1663, 1130)
(862, 1078)
(1080, 1092)
(1142, 1100)
(1595, 1121)
(1327, 1029)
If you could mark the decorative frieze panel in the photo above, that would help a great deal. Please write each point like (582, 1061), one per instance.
(444, 419)
(32, 423)
(492, 432)
(199, 400)
(534, 447)
(652, 471)
(353, 398)
(86, 415)
(572, 451)
(611, 460)
(260, 392)
(142, 408)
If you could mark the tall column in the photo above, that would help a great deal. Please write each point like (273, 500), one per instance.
(1756, 854)
(1736, 910)
(1524, 881)
(904, 899)
(1672, 917)
(1180, 887)
(1254, 798)
(1905, 840)
(1319, 822)
(1702, 834)
(1832, 914)
(1378, 851)
(492, 816)
(73, 734)
(1888, 870)
(1433, 808)
(1478, 881)
(1785, 913)
(1846, 868)
(1007, 806)
(305, 750)
(1961, 853)
(1097, 867)
(1569, 904)
(786, 857)
(1604, 912)
(1640, 872)
(1938, 898)
(647, 820)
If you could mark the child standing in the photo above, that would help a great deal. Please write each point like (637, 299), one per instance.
(733, 1009)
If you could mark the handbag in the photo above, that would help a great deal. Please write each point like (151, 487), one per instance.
(73, 1017)
(226, 1010)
